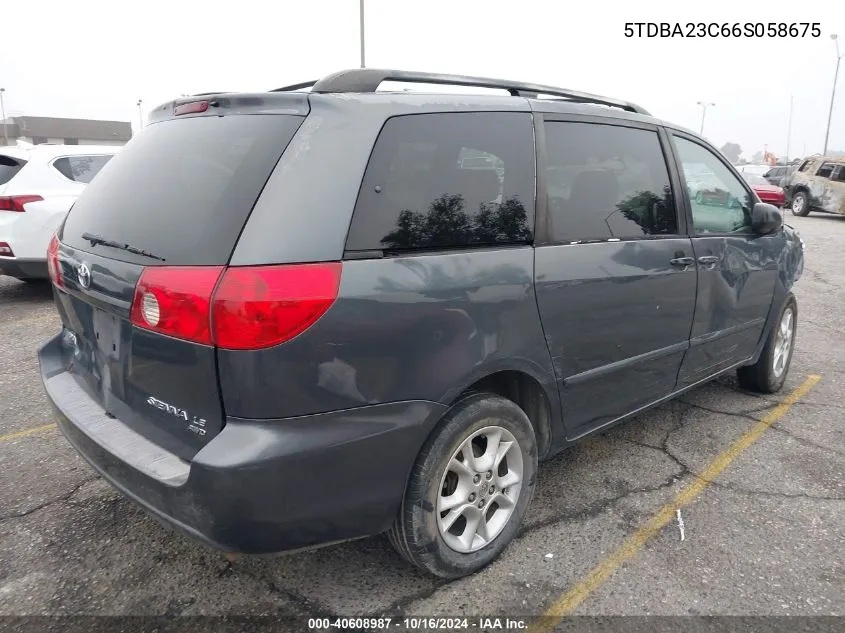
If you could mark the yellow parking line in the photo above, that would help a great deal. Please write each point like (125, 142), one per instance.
(569, 601)
(33, 431)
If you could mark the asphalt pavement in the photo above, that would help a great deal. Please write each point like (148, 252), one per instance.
(765, 536)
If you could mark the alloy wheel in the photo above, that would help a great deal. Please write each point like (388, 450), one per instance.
(479, 489)
(783, 342)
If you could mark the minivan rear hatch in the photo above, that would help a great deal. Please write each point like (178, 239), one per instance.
(164, 215)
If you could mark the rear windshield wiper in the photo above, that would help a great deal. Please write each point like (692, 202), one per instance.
(96, 239)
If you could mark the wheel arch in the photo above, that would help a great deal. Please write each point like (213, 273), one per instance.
(781, 296)
(528, 388)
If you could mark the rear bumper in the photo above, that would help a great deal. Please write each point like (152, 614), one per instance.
(24, 268)
(259, 486)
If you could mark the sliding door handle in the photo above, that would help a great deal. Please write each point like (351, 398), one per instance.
(682, 262)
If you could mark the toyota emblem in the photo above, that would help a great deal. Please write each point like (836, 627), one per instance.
(83, 273)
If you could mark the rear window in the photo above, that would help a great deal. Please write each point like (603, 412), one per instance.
(182, 189)
(9, 167)
(81, 168)
(437, 181)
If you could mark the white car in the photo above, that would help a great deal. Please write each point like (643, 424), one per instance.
(38, 185)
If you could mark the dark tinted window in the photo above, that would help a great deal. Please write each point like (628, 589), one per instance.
(9, 167)
(839, 174)
(81, 168)
(607, 182)
(447, 180)
(825, 170)
(182, 189)
(804, 165)
(720, 203)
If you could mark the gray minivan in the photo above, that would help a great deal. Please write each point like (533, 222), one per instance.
(295, 318)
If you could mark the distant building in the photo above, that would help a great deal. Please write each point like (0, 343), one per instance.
(39, 129)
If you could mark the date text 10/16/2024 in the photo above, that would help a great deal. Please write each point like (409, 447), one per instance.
(419, 624)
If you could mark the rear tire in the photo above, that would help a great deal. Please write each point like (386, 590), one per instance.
(768, 374)
(455, 517)
(800, 204)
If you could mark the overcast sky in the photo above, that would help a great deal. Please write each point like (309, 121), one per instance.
(96, 58)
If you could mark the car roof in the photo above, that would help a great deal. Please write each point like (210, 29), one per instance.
(390, 103)
(14, 151)
(364, 85)
(361, 86)
(49, 150)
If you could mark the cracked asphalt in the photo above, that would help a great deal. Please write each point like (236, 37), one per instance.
(767, 537)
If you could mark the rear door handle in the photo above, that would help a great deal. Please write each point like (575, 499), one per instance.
(682, 262)
(708, 261)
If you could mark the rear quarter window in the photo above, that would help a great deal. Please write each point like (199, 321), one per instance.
(439, 181)
(81, 168)
(9, 167)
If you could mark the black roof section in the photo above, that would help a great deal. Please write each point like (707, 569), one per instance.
(369, 79)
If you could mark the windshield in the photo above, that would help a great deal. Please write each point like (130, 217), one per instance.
(753, 179)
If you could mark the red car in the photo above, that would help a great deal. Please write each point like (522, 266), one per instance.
(766, 191)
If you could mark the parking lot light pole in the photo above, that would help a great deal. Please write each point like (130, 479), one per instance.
(3, 114)
(703, 105)
(839, 57)
(140, 115)
(788, 131)
(361, 19)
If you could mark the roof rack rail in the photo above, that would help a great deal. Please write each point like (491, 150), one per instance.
(299, 86)
(369, 79)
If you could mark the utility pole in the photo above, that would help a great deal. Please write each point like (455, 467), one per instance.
(3, 114)
(839, 57)
(703, 105)
(361, 16)
(788, 131)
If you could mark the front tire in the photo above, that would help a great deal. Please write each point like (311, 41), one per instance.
(469, 489)
(768, 374)
(800, 204)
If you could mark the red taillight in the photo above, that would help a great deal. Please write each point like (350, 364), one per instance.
(15, 203)
(176, 300)
(261, 306)
(190, 108)
(53, 266)
(252, 307)
(6, 250)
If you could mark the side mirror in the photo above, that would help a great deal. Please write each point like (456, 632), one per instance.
(765, 218)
